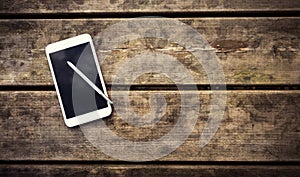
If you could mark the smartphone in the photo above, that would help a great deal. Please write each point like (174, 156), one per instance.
(79, 102)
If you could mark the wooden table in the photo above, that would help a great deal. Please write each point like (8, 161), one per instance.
(257, 43)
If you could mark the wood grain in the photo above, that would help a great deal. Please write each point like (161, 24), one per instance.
(88, 6)
(148, 170)
(257, 126)
(251, 50)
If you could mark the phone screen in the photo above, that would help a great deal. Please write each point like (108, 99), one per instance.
(64, 78)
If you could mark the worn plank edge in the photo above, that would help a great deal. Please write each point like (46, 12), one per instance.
(148, 170)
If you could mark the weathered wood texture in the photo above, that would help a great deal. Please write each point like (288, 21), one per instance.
(54, 6)
(257, 126)
(251, 50)
(148, 170)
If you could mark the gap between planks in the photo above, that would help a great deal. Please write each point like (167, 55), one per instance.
(160, 87)
(173, 14)
(149, 163)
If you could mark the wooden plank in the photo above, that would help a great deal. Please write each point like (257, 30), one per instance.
(53, 6)
(148, 170)
(251, 50)
(257, 126)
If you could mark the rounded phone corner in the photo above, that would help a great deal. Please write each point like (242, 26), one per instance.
(47, 48)
(70, 124)
(110, 110)
(106, 112)
(86, 35)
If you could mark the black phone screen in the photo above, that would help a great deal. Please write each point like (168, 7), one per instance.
(64, 78)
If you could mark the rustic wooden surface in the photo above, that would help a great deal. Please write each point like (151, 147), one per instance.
(257, 126)
(257, 43)
(88, 6)
(148, 170)
(251, 50)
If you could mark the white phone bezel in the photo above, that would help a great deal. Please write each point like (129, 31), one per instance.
(67, 43)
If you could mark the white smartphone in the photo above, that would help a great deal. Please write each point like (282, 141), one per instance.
(79, 51)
